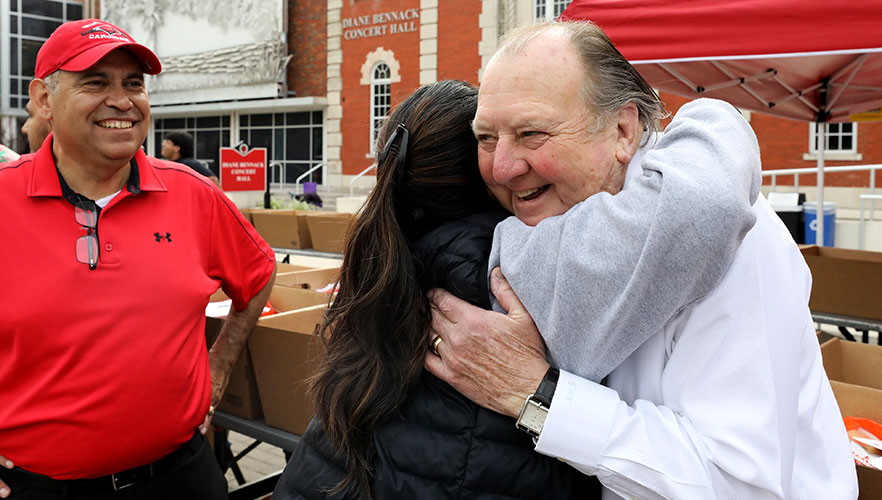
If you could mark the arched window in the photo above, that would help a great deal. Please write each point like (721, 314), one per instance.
(381, 99)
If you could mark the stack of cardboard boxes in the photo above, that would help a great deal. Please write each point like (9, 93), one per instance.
(269, 380)
(853, 369)
(322, 231)
(849, 283)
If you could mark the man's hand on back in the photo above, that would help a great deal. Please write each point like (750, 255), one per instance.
(494, 359)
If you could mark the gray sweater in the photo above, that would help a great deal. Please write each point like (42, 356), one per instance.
(603, 277)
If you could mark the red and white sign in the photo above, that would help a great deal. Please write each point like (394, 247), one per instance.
(242, 169)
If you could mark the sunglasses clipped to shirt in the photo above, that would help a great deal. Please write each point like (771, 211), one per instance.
(86, 214)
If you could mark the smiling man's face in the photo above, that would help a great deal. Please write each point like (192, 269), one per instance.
(101, 115)
(535, 148)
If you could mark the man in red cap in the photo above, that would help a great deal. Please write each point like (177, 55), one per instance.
(105, 381)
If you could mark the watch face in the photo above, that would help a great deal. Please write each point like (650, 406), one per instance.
(532, 418)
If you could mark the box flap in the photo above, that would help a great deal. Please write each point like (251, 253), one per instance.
(853, 363)
(858, 401)
(831, 356)
(303, 320)
(311, 278)
(284, 298)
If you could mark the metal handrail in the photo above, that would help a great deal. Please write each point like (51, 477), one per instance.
(813, 170)
(281, 172)
(352, 182)
(865, 197)
(304, 174)
(872, 196)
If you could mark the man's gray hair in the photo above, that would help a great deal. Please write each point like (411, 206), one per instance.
(611, 82)
(51, 81)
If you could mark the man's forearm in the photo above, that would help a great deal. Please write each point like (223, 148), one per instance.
(232, 339)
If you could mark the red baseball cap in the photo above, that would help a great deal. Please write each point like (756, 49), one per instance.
(78, 45)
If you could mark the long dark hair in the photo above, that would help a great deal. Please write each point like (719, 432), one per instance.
(375, 330)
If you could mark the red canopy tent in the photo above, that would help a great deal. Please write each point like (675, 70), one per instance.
(806, 60)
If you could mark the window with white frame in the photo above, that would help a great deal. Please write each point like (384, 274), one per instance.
(293, 140)
(549, 9)
(841, 138)
(381, 99)
(210, 133)
(30, 24)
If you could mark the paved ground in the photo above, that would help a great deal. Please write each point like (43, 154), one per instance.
(258, 463)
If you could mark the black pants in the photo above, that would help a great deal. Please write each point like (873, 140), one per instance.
(195, 477)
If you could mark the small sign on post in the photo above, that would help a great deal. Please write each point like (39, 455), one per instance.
(242, 169)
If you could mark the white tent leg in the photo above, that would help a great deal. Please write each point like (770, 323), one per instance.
(819, 215)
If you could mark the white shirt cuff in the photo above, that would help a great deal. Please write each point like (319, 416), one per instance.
(579, 422)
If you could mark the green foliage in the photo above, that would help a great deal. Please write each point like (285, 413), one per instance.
(290, 204)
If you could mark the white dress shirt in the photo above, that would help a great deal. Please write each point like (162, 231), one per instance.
(728, 401)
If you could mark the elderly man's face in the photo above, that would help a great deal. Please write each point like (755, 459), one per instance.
(535, 151)
(35, 128)
(101, 115)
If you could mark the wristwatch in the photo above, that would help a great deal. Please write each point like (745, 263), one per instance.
(531, 419)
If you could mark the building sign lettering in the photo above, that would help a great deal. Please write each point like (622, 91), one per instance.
(380, 24)
(243, 169)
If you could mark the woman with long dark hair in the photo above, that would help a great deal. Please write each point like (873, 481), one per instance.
(385, 428)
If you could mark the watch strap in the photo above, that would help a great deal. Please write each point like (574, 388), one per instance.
(547, 387)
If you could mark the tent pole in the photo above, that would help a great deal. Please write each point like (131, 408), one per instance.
(821, 130)
(819, 215)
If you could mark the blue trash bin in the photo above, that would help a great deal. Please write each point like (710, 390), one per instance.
(811, 223)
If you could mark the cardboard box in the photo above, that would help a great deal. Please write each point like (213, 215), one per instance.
(328, 230)
(285, 353)
(283, 228)
(853, 370)
(853, 363)
(283, 298)
(845, 282)
(247, 213)
(309, 278)
(242, 397)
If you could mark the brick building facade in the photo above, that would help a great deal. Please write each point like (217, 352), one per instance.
(350, 62)
(454, 39)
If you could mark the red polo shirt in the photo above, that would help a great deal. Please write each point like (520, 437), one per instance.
(106, 369)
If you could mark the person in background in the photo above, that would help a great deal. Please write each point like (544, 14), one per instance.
(178, 146)
(725, 397)
(111, 256)
(35, 128)
(7, 154)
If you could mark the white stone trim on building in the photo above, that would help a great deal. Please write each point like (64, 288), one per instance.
(333, 162)
(497, 17)
(428, 41)
(376, 56)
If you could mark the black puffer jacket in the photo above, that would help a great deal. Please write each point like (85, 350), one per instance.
(441, 445)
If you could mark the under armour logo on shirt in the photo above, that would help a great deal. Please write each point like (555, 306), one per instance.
(159, 237)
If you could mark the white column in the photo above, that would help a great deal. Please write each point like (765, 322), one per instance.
(333, 164)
